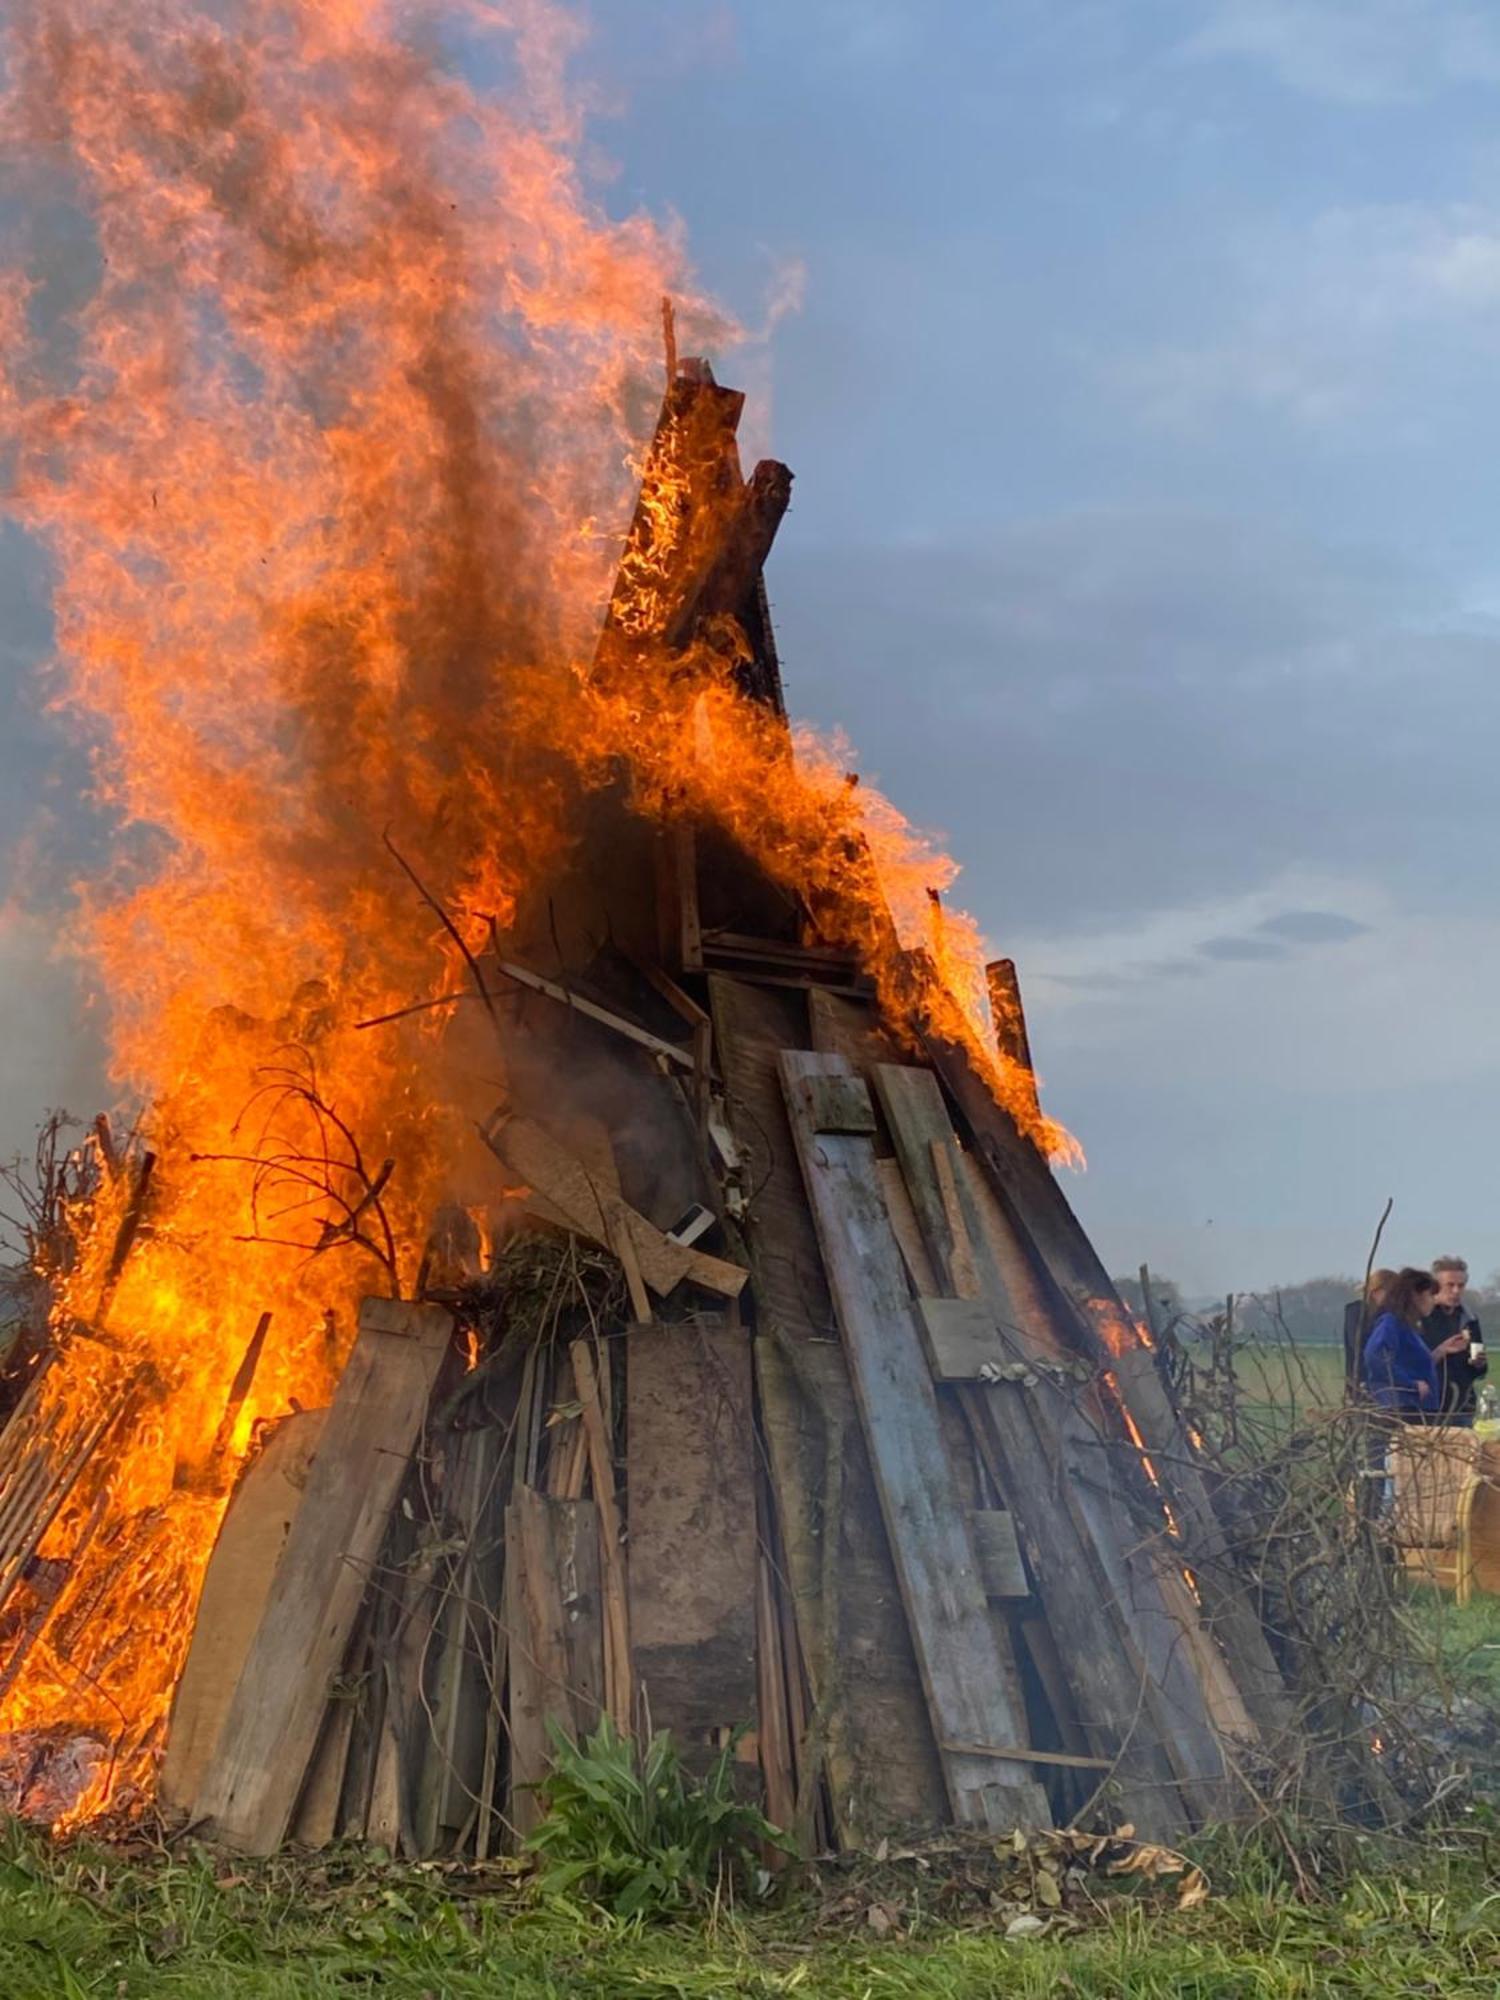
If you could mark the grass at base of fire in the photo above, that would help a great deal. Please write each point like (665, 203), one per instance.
(87, 1920)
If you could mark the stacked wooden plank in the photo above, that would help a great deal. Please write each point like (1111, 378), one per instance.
(856, 1455)
(842, 1475)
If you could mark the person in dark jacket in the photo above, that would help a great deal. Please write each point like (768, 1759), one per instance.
(1359, 1316)
(1465, 1368)
(1400, 1370)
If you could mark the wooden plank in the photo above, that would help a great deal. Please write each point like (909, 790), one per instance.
(999, 1553)
(908, 1235)
(315, 1821)
(972, 1683)
(849, 1028)
(869, 1724)
(584, 1203)
(1040, 1211)
(1008, 1018)
(679, 931)
(1146, 1681)
(774, 1728)
(552, 1616)
(961, 1339)
(233, 1599)
(690, 1474)
(619, 1680)
(565, 996)
(838, 1104)
(273, 1719)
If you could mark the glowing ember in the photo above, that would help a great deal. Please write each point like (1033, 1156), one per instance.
(332, 468)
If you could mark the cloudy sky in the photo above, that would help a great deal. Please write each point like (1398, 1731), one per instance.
(1145, 541)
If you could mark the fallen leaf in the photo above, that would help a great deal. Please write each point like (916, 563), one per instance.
(1193, 1891)
(1025, 1926)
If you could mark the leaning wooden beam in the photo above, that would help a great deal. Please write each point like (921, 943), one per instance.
(1040, 1212)
(272, 1724)
(566, 997)
(232, 1602)
(1008, 1017)
(1135, 1689)
(972, 1683)
(869, 1723)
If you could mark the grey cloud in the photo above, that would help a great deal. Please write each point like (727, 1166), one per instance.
(1313, 926)
(1237, 948)
(1089, 982)
(1172, 968)
(1108, 717)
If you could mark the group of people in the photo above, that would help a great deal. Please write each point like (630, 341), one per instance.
(1413, 1347)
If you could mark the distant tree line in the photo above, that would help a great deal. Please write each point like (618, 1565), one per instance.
(1309, 1311)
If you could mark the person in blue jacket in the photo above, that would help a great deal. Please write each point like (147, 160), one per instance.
(1399, 1370)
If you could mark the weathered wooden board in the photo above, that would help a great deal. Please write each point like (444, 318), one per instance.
(315, 1820)
(961, 1338)
(999, 1553)
(870, 1714)
(917, 1118)
(904, 1221)
(552, 1613)
(849, 1028)
(273, 1719)
(232, 1601)
(971, 1679)
(1109, 1595)
(1042, 1215)
(840, 1104)
(690, 1475)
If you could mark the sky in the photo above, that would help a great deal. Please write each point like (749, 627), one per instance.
(1138, 381)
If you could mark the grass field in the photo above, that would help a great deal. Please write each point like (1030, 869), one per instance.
(1304, 1377)
(83, 1922)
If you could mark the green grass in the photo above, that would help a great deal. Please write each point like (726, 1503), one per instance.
(1282, 1374)
(83, 1921)
(1467, 1638)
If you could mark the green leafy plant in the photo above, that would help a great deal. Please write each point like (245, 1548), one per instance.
(628, 1828)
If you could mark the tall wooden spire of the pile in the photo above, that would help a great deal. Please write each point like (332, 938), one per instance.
(864, 1454)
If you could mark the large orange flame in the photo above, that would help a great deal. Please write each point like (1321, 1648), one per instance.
(332, 466)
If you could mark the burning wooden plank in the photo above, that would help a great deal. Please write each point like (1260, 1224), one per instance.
(271, 1726)
(232, 1603)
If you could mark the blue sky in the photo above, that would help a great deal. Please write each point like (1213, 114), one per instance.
(1144, 540)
